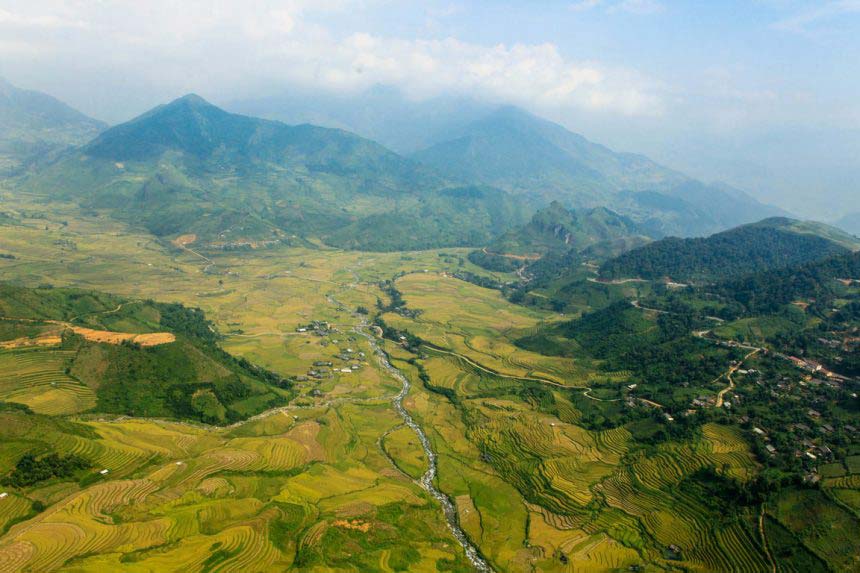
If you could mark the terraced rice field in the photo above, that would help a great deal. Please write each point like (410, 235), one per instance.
(479, 324)
(192, 489)
(36, 377)
(328, 484)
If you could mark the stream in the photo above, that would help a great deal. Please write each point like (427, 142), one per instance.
(426, 480)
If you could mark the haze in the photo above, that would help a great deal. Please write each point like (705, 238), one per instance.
(762, 95)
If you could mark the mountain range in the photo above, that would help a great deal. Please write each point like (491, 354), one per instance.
(381, 113)
(234, 181)
(190, 168)
(542, 161)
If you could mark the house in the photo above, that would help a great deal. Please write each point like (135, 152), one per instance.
(770, 449)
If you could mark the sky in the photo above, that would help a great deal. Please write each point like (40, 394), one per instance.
(762, 94)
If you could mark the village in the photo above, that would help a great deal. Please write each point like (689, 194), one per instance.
(810, 429)
(348, 360)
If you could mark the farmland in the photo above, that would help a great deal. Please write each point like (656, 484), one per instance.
(545, 471)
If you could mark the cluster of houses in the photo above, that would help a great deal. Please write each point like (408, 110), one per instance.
(351, 361)
(317, 327)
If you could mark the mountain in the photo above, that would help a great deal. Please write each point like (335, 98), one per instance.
(556, 228)
(850, 223)
(191, 168)
(770, 244)
(518, 151)
(33, 123)
(380, 113)
(543, 161)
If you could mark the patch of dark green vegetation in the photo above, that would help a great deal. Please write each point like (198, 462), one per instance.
(732, 253)
(787, 548)
(493, 262)
(31, 469)
(219, 556)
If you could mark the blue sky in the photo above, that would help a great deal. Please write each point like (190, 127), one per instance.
(764, 94)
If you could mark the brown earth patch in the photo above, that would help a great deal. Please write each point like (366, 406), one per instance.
(355, 525)
(184, 240)
(306, 435)
(52, 339)
(108, 337)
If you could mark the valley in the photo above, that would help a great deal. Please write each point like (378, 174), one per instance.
(233, 344)
(460, 441)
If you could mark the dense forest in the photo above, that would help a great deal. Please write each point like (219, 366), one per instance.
(733, 253)
(766, 291)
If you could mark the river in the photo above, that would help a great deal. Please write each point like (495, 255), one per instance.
(426, 480)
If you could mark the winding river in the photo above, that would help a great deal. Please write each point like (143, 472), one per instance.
(426, 480)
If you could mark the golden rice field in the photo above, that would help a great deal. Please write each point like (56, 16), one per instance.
(36, 377)
(479, 324)
(328, 483)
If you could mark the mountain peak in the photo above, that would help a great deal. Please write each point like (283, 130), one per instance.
(187, 103)
(191, 99)
(189, 124)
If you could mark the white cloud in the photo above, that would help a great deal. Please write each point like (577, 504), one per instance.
(19, 19)
(213, 47)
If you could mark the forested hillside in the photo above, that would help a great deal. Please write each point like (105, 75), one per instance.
(731, 253)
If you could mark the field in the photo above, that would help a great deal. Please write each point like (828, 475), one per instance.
(329, 482)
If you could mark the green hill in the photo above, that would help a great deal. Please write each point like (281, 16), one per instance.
(814, 228)
(33, 124)
(770, 244)
(139, 358)
(188, 167)
(768, 290)
(558, 229)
